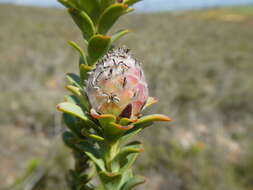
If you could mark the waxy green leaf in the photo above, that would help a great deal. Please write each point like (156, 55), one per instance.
(106, 3)
(110, 16)
(69, 3)
(114, 131)
(93, 153)
(131, 2)
(84, 22)
(74, 79)
(83, 60)
(110, 181)
(103, 119)
(72, 109)
(77, 48)
(98, 46)
(129, 10)
(91, 7)
(130, 134)
(69, 139)
(71, 99)
(119, 161)
(126, 121)
(118, 35)
(133, 182)
(92, 136)
(150, 119)
(126, 176)
(75, 90)
(124, 160)
(71, 123)
(84, 72)
(80, 95)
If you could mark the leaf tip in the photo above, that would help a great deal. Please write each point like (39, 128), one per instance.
(125, 128)
(58, 107)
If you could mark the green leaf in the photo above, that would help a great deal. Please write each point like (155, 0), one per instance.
(83, 60)
(146, 120)
(72, 109)
(91, 7)
(104, 119)
(105, 3)
(125, 121)
(75, 90)
(126, 176)
(71, 123)
(130, 134)
(119, 34)
(100, 187)
(68, 3)
(69, 139)
(112, 131)
(84, 22)
(124, 160)
(98, 46)
(120, 158)
(80, 95)
(110, 181)
(71, 99)
(76, 47)
(74, 79)
(84, 72)
(92, 136)
(93, 153)
(110, 16)
(131, 2)
(133, 182)
(129, 10)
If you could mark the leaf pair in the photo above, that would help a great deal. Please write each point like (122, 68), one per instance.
(84, 22)
(119, 181)
(100, 44)
(91, 7)
(126, 157)
(110, 16)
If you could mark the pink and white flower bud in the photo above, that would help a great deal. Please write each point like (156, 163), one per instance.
(117, 85)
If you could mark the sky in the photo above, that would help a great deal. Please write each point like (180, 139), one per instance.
(150, 5)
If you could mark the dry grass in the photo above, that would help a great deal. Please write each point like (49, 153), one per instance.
(200, 69)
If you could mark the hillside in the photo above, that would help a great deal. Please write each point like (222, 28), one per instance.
(198, 64)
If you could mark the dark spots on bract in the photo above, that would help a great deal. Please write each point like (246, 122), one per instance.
(124, 82)
(127, 112)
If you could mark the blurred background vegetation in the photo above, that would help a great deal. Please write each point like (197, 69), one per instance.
(198, 63)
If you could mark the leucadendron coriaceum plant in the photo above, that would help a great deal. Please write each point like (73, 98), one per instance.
(107, 97)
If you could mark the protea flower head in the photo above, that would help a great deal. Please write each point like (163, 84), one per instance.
(117, 85)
